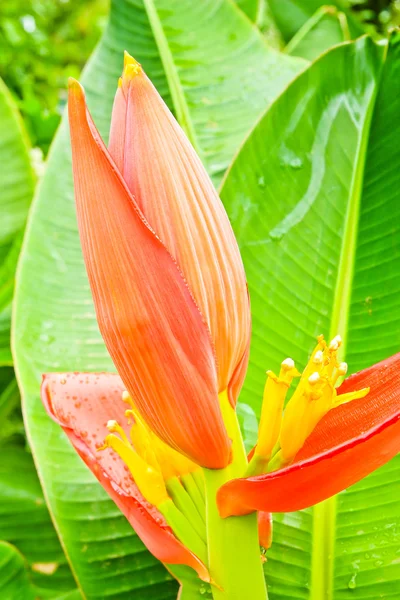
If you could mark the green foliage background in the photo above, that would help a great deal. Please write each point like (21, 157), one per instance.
(42, 42)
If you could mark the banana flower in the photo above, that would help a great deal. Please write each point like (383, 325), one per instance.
(172, 305)
(164, 267)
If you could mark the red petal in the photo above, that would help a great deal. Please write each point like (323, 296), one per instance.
(149, 321)
(350, 442)
(82, 403)
(355, 418)
(172, 188)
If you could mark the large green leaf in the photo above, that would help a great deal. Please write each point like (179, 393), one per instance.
(16, 191)
(36, 565)
(313, 195)
(251, 8)
(219, 85)
(14, 579)
(25, 522)
(16, 582)
(220, 71)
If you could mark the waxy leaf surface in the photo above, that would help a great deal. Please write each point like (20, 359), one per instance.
(218, 86)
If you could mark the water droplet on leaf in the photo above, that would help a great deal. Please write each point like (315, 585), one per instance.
(261, 182)
(352, 583)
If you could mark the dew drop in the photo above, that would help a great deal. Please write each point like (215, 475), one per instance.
(352, 583)
(296, 163)
(276, 236)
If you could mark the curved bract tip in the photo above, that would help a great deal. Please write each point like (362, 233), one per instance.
(131, 67)
(74, 86)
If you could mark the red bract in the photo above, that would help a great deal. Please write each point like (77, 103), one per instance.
(350, 442)
(82, 403)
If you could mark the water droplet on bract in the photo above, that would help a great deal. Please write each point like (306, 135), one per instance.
(378, 563)
(202, 590)
(352, 583)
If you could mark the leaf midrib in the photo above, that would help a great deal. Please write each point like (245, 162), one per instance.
(174, 83)
(324, 514)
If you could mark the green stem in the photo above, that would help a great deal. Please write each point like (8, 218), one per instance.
(257, 465)
(233, 548)
(324, 529)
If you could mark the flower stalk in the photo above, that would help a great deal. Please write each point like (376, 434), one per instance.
(234, 557)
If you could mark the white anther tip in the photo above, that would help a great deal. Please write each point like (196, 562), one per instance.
(342, 368)
(318, 358)
(111, 425)
(287, 364)
(314, 378)
(335, 343)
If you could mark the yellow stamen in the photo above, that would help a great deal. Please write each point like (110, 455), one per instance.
(345, 398)
(155, 451)
(172, 464)
(115, 427)
(140, 436)
(149, 481)
(275, 391)
(314, 397)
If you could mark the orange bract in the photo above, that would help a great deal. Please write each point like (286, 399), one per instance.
(149, 320)
(178, 199)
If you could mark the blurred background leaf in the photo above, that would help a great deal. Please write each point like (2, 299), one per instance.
(42, 43)
(377, 17)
